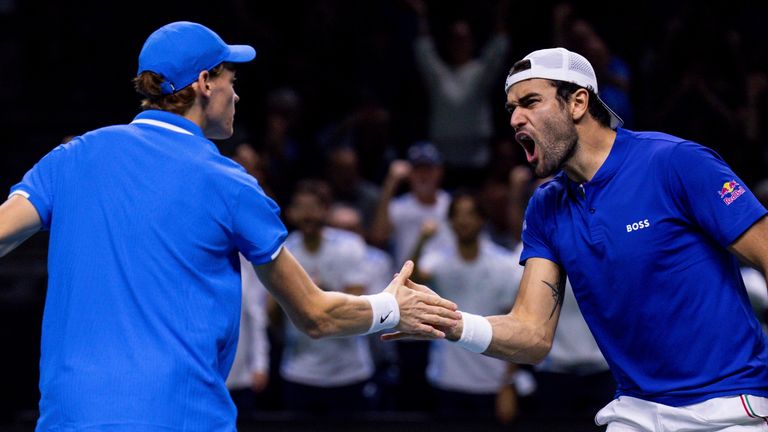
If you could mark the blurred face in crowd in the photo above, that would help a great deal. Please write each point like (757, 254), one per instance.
(253, 162)
(425, 180)
(346, 218)
(308, 213)
(466, 220)
(543, 125)
(342, 169)
(220, 108)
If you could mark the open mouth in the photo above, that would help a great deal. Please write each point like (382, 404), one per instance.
(529, 145)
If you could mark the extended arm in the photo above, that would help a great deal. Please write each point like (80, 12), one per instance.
(752, 246)
(525, 334)
(326, 313)
(381, 227)
(18, 221)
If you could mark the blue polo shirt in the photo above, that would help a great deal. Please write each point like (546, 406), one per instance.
(143, 305)
(644, 245)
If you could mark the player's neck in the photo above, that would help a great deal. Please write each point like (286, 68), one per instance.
(592, 149)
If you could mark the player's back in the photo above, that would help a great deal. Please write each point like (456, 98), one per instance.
(143, 304)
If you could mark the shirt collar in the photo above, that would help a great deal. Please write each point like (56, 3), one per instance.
(170, 121)
(611, 165)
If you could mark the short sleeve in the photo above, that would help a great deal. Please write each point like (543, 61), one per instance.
(711, 194)
(39, 184)
(258, 231)
(536, 242)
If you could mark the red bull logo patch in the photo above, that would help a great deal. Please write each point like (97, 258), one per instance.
(730, 191)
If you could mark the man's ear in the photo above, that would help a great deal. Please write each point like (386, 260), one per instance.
(203, 83)
(579, 104)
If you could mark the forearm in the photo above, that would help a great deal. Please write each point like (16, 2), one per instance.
(517, 341)
(341, 314)
(418, 275)
(381, 225)
(511, 339)
(314, 311)
(18, 221)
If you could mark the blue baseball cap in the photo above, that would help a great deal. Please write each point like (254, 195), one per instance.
(179, 51)
(424, 153)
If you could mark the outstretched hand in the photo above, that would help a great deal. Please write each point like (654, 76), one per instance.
(423, 314)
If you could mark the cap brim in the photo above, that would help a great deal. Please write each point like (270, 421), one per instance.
(240, 54)
(616, 121)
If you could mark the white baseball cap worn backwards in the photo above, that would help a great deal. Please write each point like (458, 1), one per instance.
(561, 65)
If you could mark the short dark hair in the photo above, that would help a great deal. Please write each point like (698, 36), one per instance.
(317, 188)
(596, 109)
(462, 194)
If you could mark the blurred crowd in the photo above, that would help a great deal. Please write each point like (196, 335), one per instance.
(383, 137)
(361, 197)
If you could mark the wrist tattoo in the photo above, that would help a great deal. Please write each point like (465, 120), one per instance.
(558, 293)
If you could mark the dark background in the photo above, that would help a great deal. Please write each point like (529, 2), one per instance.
(67, 68)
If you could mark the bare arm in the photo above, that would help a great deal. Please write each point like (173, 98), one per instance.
(18, 221)
(428, 230)
(326, 313)
(525, 334)
(381, 227)
(752, 246)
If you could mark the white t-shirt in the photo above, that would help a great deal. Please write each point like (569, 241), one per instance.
(330, 362)
(407, 215)
(574, 350)
(379, 269)
(485, 286)
(461, 120)
(252, 353)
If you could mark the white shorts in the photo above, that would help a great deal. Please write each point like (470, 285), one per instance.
(726, 414)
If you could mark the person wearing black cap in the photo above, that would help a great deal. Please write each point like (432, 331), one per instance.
(401, 219)
(647, 227)
(146, 221)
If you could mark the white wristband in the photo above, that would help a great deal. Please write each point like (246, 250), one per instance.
(386, 311)
(477, 333)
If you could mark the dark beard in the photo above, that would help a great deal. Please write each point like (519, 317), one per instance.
(552, 168)
(560, 156)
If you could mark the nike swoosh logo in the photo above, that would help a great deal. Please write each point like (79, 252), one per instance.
(384, 318)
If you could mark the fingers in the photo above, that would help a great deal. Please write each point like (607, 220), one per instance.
(430, 297)
(387, 337)
(419, 287)
(402, 276)
(438, 321)
(419, 332)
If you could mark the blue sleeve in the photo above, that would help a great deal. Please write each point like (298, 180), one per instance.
(710, 194)
(258, 231)
(536, 241)
(39, 184)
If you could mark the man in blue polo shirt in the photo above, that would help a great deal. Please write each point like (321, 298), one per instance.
(646, 226)
(146, 221)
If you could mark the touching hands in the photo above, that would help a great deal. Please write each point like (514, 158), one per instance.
(428, 315)
(423, 314)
